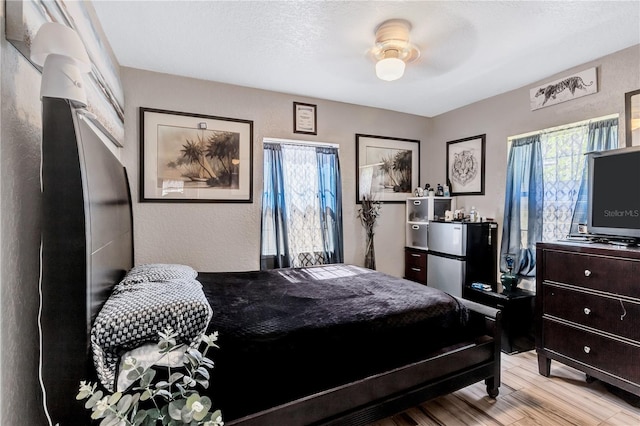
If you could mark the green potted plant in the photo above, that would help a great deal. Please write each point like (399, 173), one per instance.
(170, 401)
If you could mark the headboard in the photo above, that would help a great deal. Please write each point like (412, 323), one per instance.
(87, 246)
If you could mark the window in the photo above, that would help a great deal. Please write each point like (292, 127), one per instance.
(302, 206)
(562, 168)
(546, 185)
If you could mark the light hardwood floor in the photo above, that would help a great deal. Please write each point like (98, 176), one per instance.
(526, 398)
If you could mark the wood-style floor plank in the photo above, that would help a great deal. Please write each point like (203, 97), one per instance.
(526, 399)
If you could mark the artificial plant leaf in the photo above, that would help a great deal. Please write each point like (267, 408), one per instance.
(91, 402)
(97, 415)
(154, 413)
(124, 403)
(109, 420)
(164, 394)
(135, 373)
(147, 377)
(206, 406)
(175, 407)
(139, 417)
(162, 385)
(82, 395)
(203, 372)
(115, 398)
(190, 359)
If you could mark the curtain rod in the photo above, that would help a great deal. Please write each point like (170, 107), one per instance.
(299, 142)
(563, 127)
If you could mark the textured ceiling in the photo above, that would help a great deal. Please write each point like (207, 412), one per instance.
(470, 50)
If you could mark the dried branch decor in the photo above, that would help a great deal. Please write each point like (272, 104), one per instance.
(368, 214)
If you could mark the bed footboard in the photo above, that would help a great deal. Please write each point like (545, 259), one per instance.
(373, 398)
(488, 321)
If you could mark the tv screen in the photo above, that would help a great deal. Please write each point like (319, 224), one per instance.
(614, 193)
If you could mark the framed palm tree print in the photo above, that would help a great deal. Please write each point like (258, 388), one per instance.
(387, 169)
(188, 157)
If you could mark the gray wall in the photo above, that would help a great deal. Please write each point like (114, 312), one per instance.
(509, 114)
(217, 237)
(20, 135)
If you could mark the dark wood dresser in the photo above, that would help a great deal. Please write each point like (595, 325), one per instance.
(588, 310)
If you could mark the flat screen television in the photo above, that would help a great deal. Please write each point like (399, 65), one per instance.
(614, 194)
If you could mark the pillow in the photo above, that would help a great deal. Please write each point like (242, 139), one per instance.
(134, 315)
(157, 272)
(147, 356)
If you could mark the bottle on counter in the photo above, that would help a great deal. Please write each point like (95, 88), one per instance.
(440, 191)
(473, 214)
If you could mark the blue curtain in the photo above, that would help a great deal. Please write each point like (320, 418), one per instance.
(274, 211)
(524, 183)
(330, 198)
(602, 136)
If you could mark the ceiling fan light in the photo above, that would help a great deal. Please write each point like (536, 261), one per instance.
(389, 69)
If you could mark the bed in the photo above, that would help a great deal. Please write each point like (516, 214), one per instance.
(353, 368)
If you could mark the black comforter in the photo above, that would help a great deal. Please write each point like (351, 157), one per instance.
(289, 333)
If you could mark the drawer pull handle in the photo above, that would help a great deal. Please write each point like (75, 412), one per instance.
(416, 202)
(587, 311)
(415, 227)
(587, 273)
(415, 255)
(415, 269)
(587, 349)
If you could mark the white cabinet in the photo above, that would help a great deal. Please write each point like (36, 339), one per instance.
(420, 210)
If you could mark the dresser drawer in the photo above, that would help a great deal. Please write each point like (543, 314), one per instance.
(603, 313)
(609, 355)
(416, 274)
(415, 265)
(613, 275)
(416, 259)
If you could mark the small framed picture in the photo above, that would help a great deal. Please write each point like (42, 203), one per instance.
(465, 165)
(305, 118)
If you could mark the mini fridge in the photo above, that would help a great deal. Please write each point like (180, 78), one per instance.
(460, 253)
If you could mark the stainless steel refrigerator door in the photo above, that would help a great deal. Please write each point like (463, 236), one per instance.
(445, 274)
(447, 237)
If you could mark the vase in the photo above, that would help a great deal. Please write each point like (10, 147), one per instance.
(509, 281)
(370, 253)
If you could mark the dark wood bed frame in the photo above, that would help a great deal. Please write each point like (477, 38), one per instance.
(87, 246)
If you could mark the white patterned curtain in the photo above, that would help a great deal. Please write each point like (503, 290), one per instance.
(300, 172)
(563, 162)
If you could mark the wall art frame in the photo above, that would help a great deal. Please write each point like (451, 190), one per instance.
(195, 158)
(564, 89)
(632, 117)
(305, 118)
(466, 165)
(105, 95)
(387, 168)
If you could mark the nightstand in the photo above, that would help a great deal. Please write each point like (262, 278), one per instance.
(517, 308)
